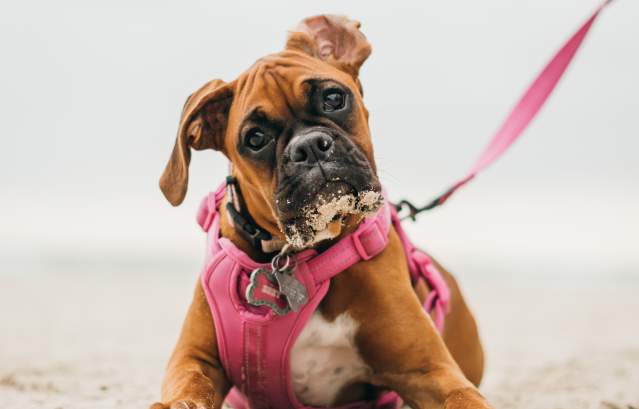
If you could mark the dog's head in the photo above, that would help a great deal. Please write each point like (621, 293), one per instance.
(296, 130)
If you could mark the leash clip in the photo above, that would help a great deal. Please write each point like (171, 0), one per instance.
(414, 211)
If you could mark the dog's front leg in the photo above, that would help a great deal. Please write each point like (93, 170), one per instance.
(194, 377)
(407, 355)
(395, 337)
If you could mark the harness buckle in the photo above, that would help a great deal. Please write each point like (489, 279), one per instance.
(369, 241)
(206, 212)
(440, 293)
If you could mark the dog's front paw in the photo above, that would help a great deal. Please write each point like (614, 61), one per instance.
(466, 398)
(181, 404)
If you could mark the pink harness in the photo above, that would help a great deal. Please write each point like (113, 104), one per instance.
(254, 343)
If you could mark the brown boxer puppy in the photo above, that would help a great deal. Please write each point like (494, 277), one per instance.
(295, 128)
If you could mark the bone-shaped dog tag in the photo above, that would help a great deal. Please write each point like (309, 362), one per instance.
(262, 291)
(293, 290)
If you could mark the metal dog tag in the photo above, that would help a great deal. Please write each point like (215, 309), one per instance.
(293, 290)
(289, 295)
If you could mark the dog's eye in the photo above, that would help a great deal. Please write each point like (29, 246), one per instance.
(255, 139)
(334, 100)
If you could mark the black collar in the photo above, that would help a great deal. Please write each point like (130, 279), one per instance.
(259, 238)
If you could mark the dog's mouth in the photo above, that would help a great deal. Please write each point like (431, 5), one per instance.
(317, 200)
(335, 204)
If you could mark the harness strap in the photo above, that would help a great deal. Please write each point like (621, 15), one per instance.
(364, 244)
(208, 207)
(422, 268)
(438, 300)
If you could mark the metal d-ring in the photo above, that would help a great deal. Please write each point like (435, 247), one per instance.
(289, 261)
(277, 265)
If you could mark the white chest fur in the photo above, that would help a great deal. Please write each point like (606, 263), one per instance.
(324, 359)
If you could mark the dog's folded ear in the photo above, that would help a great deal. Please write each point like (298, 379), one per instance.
(202, 126)
(331, 38)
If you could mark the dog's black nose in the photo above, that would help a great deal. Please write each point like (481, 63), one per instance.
(311, 147)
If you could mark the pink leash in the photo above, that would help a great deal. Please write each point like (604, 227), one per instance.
(521, 115)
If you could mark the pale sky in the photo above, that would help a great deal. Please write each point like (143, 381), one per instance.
(90, 95)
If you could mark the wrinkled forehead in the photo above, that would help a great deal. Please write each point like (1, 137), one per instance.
(278, 85)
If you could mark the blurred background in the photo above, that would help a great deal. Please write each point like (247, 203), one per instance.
(95, 266)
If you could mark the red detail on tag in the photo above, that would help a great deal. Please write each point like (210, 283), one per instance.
(265, 291)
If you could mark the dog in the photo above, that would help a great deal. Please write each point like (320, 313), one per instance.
(295, 130)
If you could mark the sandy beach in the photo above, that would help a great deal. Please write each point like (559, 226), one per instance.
(72, 341)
